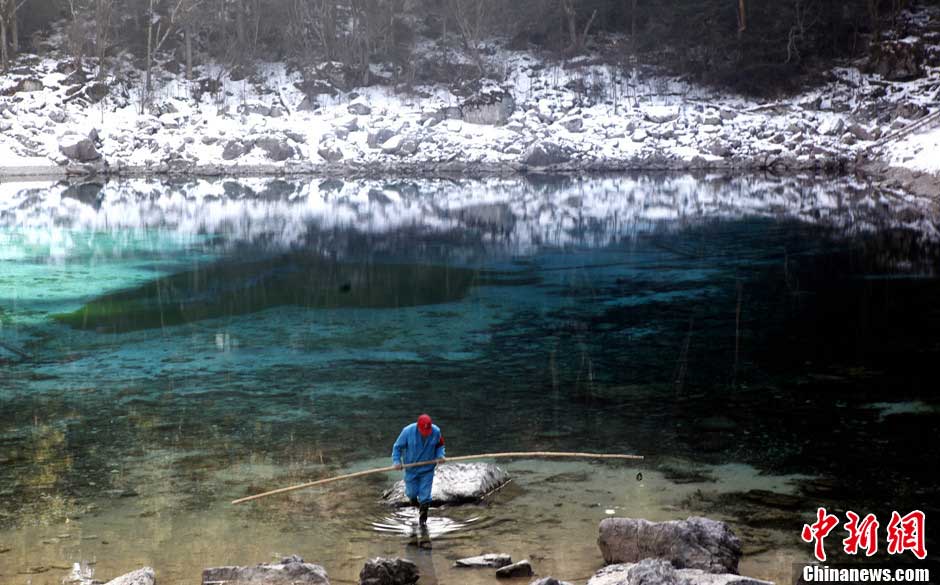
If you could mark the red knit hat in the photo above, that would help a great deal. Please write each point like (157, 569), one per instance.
(424, 425)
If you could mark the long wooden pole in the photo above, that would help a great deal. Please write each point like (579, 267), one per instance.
(449, 459)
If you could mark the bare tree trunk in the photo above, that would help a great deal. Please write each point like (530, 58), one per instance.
(4, 56)
(742, 18)
(188, 32)
(14, 29)
(147, 80)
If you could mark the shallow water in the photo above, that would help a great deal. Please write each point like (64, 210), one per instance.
(167, 348)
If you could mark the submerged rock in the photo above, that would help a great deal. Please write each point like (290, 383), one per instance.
(520, 569)
(496, 560)
(661, 572)
(455, 483)
(549, 581)
(144, 576)
(290, 571)
(382, 571)
(694, 543)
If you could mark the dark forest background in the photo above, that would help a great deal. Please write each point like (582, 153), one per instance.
(744, 44)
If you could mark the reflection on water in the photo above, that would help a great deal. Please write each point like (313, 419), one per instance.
(175, 346)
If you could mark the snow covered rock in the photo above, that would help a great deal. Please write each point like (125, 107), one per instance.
(143, 576)
(330, 152)
(379, 137)
(661, 572)
(520, 569)
(235, 148)
(639, 135)
(491, 105)
(694, 543)
(572, 123)
(393, 144)
(277, 149)
(359, 108)
(78, 148)
(290, 571)
(544, 154)
(661, 114)
(382, 571)
(58, 116)
(455, 483)
(496, 560)
(860, 132)
(833, 126)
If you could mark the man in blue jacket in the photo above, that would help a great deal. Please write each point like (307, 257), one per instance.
(420, 441)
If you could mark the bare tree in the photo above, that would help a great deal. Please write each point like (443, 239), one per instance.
(576, 39)
(9, 41)
(158, 31)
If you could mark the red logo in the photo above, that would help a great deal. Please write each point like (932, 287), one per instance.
(905, 533)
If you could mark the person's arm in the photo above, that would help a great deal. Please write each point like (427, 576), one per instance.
(439, 453)
(400, 443)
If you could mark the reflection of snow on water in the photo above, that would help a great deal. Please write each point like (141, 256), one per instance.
(404, 522)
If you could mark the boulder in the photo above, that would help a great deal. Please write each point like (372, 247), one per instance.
(572, 123)
(234, 149)
(393, 144)
(290, 571)
(832, 126)
(898, 60)
(455, 483)
(520, 569)
(379, 137)
(490, 105)
(694, 543)
(860, 132)
(330, 152)
(78, 148)
(277, 149)
(549, 581)
(58, 116)
(639, 135)
(382, 571)
(661, 572)
(544, 154)
(143, 576)
(661, 114)
(359, 108)
(496, 560)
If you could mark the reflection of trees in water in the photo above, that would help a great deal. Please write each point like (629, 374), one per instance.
(463, 218)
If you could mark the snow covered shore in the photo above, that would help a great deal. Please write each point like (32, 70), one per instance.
(543, 116)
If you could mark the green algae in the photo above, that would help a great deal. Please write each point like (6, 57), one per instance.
(230, 288)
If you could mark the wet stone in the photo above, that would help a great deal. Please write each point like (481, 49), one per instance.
(455, 483)
(144, 576)
(520, 569)
(549, 581)
(383, 571)
(496, 560)
(290, 571)
(661, 572)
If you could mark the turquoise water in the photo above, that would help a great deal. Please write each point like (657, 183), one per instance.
(169, 347)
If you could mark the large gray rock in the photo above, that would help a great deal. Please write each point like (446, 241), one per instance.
(455, 483)
(143, 576)
(520, 569)
(277, 149)
(379, 137)
(330, 152)
(660, 572)
(694, 543)
(234, 149)
(290, 571)
(79, 148)
(382, 571)
(492, 105)
(544, 154)
(496, 560)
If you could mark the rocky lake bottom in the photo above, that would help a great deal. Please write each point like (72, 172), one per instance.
(170, 346)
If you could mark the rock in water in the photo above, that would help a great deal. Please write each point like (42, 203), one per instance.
(143, 576)
(290, 571)
(694, 543)
(381, 571)
(661, 572)
(78, 148)
(520, 569)
(455, 483)
(488, 560)
(549, 581)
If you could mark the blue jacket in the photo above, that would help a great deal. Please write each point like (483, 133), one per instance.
(411, 447)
